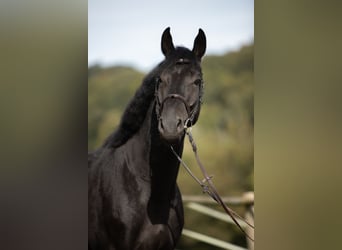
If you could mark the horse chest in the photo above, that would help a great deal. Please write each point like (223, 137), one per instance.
(138, 232)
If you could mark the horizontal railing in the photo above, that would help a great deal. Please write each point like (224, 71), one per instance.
(195, 203)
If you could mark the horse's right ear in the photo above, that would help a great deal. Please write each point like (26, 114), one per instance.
(200, 44)
(166, 42)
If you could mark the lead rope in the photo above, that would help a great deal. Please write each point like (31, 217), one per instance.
(207, 184)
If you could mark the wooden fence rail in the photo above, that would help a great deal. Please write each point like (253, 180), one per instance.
(246, 199)
(195, 203)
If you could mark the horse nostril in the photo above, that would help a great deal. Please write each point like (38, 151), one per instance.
(161, 126)
(179, 123)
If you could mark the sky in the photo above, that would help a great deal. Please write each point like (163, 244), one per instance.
(129, 32)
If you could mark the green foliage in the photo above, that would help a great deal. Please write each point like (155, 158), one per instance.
(223, 133)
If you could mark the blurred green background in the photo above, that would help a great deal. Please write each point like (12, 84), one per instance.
(224, 132)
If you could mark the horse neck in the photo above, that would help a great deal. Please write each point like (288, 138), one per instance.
(161, 168)
(164, 165)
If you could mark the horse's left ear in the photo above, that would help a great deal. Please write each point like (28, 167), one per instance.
(200, 44)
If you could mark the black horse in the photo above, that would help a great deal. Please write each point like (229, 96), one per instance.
(134, 201)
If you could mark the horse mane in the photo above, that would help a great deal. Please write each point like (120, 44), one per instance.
(135, 112)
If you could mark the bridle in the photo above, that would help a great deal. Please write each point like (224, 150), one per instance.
(191, 111)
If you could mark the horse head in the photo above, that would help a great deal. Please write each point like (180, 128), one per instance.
(179, 87)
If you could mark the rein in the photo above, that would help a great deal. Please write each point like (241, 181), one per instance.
(207, 184)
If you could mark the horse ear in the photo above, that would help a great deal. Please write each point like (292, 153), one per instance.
(166, 42)
(200, 44)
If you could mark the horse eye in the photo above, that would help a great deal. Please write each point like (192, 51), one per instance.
(198, 82)
(158, 80)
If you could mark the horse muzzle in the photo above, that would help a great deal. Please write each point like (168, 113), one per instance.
(172, 119)
(171, 130)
